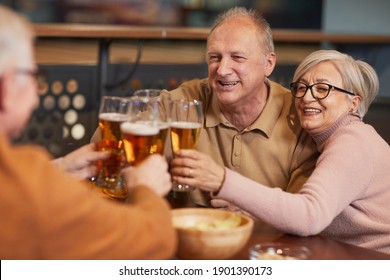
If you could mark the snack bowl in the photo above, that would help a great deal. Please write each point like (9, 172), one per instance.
(210, 234)
(278, 251)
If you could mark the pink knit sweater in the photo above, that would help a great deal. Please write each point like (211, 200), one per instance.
(347, 197)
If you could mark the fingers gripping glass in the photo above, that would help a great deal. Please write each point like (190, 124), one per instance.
(317, 90)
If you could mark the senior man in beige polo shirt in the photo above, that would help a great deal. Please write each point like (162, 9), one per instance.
(250, 122)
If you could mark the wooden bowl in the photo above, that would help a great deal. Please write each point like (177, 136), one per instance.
(210, 234)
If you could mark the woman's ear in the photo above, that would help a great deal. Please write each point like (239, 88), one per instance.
(356, 100)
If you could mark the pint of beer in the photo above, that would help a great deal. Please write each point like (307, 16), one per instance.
(162, 138)
(141, 132)
(152, 96)
(185, 123)
(184, 135)
(139, 140)
(112, 113)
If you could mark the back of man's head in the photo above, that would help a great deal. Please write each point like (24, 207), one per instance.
(16, 34)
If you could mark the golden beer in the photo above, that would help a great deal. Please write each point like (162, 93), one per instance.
(184, 135)
(111, 140)
(161, 138)
(186, 122)
(139, 141)
(109, 126)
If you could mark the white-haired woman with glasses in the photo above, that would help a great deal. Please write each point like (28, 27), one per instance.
(347, 196)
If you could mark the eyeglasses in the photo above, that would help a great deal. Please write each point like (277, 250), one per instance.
(318, 90)
(38, 74)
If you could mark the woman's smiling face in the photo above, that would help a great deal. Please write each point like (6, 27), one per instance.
(318, 115)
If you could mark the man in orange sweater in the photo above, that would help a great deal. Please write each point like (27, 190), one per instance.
(48, 214)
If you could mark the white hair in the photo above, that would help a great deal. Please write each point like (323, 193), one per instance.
(16, 35)
(357, 76)
(264, 30)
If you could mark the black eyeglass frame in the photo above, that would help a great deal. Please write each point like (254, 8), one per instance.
(330, 87)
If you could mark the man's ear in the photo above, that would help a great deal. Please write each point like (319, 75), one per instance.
(270, 63)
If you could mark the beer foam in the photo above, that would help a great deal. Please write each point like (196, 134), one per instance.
(139, 129)
(186, 125)
(113, 117)
(163, 125)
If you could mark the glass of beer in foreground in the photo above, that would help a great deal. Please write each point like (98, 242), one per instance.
(113, 112)
(141, 131)
(186, 123)
(163, 141)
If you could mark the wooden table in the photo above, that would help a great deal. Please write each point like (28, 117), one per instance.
(321, 248)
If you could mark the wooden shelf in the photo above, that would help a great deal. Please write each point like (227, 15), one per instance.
(304, 36)
(61, 44)
(184, 33)
(117, 32)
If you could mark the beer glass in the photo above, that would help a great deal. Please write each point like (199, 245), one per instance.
(147, 92)
(186, 123)
(113, 111)
(163, 141)
(141, 130)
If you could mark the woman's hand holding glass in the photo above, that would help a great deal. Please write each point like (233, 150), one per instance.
(196, 169)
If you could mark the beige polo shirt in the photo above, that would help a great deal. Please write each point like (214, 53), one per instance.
(274, 150)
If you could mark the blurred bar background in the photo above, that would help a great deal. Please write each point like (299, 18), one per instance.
(70, 94)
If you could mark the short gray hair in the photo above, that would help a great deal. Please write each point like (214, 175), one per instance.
(16, 34)
(264, 29)
(357, 76)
